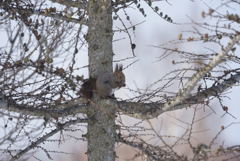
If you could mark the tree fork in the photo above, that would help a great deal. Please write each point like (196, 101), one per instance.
(101, 124)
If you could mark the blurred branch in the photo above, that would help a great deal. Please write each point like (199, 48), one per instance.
(152, 152)
(186, 91)
(40, 140)
(58, 16)
(69, 3)
(184, 96)
(45, 12)
(152, 110)
(68, 108)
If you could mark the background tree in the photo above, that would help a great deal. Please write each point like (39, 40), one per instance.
(40, 81)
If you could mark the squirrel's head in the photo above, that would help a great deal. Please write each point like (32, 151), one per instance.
(119, 77)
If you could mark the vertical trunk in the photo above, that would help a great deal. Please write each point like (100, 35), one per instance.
(101, 125)
(100, 36)
(101, 133)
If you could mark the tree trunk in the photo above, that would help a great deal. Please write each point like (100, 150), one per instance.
(101, 125)
(101, 133)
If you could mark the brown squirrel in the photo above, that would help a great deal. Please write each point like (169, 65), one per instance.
(104, 84)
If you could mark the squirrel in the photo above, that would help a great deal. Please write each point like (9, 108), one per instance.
(104, 84)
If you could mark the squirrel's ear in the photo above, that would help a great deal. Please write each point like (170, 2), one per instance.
(118, 67)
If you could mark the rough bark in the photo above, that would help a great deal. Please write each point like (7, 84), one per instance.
(101, 125)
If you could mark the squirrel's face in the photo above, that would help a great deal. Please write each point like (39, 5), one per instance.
(119, 79)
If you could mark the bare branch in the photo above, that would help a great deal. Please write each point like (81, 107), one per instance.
(152, 152)
(46, 13)
(186, 91)
(34, 144)
(152, 110)
(68, 108)
(70, 3)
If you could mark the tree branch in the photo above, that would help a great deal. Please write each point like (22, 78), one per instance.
(31, 11)
(58, 16)
(184, 97)
(69, 3)
(46, 136)
(186, 91)
(152, 110)
(152, 152)
(69, 108)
